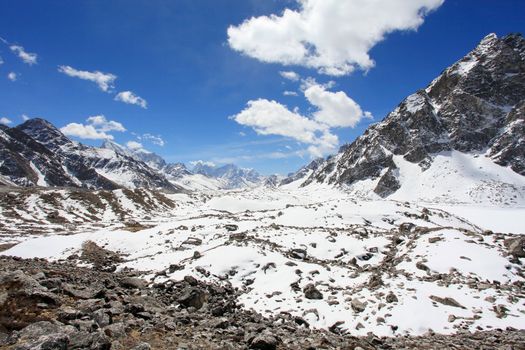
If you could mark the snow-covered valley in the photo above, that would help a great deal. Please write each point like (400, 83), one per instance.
(325, 255)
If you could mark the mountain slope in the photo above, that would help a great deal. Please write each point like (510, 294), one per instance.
(475, 107)
(25, 162)
(98, 168)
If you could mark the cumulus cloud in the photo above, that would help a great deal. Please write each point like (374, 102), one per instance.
(102, 124)
(97, 128)
(290, 93)
(330, 110)
(272, 118)
(12, 76)
(5, 121)
(290, 75)
(27, 57)
(85, 132)
(334, 109)
(130, 98)
(134, 145)
(332, 36)
(103, 80)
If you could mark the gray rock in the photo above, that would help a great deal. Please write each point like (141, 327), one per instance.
(231, 227)
(193, 297)
(357, 305)
(298, 253)
(447, 301)
(80, 292)
(101, 318)
(57, 341)
(115, 330)
(264, 341)
(391, 298)
(310, 292)
(133, 282)
(516, 246)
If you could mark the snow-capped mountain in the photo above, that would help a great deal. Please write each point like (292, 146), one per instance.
(230, 175)
(25, 162)
(467, 127)
(37, 153)
(203, 176)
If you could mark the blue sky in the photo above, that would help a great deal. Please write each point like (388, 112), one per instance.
(197, 77)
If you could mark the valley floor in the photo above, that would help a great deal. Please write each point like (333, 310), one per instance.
(356, 266)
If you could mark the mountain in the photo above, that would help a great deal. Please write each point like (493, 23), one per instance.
(25, 162)
(37, 153)
(467, 126)
(302, 173)
(203, 176)
(230, 175)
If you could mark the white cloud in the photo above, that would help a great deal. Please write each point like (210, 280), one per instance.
(156, 140)
(85, 132)
(290, 75)
(242, 133)
(27, 57)
(202, 162)
(1, 60)
(12, 76)
(130, 98)
(334, 109)
(134, 145)
(272, 118)
(309, 82)
(290, 93)
(102, 124)
(24, 117)
(332, 36)
(97, 128)
(5, 121)
(103, 80)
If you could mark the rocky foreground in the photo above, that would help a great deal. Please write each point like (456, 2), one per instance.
(59, 305)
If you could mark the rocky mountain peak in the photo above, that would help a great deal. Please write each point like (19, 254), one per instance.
(475, 105)
(44, 132)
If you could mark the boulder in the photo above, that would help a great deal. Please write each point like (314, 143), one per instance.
(310, 292)
(357, 305)
(193, 297)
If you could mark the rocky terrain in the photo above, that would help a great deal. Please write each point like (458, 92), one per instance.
(475, 107)
(349, 270)
(27, 212)
(62, 306)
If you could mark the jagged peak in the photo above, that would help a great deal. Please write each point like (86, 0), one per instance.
(44, 132)
(38, 123)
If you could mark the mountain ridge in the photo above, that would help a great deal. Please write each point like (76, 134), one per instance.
(476, 105)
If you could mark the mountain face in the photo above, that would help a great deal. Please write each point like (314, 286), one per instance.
(175, 170)
(25, 162)
(230, 175)
(303, 173)
(37, 153)
(476, 107)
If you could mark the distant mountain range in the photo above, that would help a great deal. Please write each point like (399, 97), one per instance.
(36, 153)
